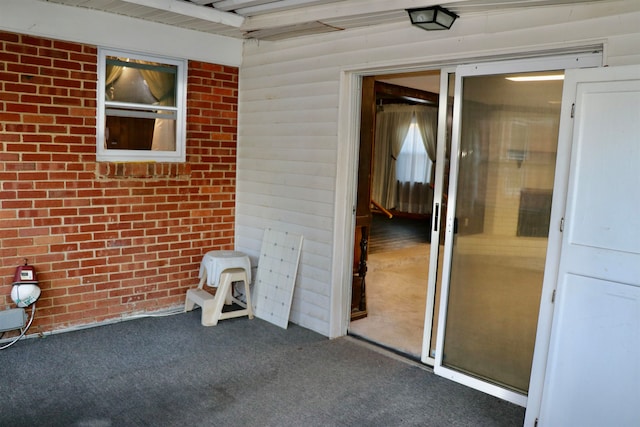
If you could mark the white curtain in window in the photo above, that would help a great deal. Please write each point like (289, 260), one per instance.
(113, 73)
(392, 125)
(162, 87)
(413, 169)
(427, 120)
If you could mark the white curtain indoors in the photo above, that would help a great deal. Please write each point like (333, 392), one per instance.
(427, 120)
(162, 88)
(414, 169)
(404, 152)
(113, 73)
(392, 125)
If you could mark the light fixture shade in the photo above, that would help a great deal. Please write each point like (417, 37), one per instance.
(432, 18)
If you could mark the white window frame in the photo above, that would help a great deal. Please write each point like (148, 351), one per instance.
(114, 155)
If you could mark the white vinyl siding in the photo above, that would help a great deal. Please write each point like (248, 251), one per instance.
(288, 183)
(289, 116)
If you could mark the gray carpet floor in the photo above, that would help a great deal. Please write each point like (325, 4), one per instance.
(171, 371)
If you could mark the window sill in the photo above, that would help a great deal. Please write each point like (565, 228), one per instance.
(142, 170)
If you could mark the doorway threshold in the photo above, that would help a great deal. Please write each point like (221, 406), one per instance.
(385, 349)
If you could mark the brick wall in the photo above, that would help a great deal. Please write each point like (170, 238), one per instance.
(107, 239)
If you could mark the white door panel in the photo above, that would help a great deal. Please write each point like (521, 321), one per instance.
(607, 182)
(596, 369)
(592, 373)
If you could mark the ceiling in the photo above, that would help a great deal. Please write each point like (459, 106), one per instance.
(282, 19)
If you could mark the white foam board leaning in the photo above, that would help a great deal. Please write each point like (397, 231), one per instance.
(276, 276)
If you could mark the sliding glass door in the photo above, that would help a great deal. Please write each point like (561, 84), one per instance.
(504, 141)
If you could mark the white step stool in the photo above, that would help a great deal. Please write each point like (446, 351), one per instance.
(212, 305)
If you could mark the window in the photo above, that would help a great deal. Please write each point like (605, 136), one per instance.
(141, 108)
(413, 164)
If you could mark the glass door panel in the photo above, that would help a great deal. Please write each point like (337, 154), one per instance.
(505, 173)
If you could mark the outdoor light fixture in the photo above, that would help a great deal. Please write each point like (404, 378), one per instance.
(432, 18)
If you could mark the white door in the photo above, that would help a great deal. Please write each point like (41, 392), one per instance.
(592, 375)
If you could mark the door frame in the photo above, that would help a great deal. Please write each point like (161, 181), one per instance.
(437, 212)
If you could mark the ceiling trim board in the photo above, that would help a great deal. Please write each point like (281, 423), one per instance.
(188, 9)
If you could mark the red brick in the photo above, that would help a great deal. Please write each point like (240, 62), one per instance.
(53, 90)
(46, 221)
(21, 68)
(35, 60)
(132, 298)
(59, 112)
(134, 234)
(33, 231)
(67, 65)
(73, 238)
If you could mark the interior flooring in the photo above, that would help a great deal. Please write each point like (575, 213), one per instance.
(396, 285)
(396, 297)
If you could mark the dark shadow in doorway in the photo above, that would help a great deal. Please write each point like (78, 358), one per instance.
(390, 234)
